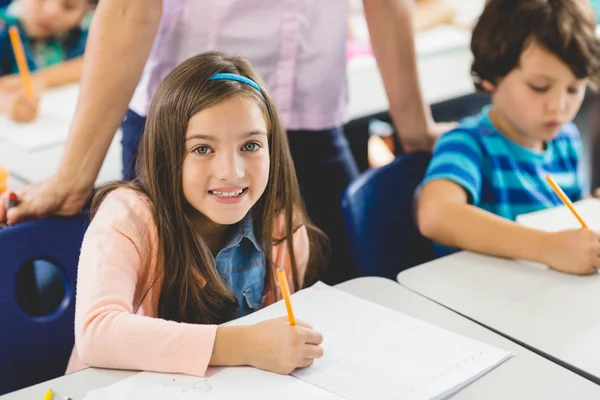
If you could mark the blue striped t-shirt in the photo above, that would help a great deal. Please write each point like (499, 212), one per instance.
(501, 176)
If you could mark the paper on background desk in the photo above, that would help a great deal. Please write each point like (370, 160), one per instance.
(371, 352)
(50, 128)
(561, 218)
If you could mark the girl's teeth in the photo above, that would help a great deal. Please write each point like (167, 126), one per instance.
(227, 194)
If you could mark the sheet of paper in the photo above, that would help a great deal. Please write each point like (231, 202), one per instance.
(372, 352)
(222, 384)
(50, 128)
(561, 218)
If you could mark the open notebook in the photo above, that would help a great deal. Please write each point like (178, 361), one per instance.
(50, 128)
(371, 352)
(561, 218)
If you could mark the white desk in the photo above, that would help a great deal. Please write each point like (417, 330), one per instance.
(524, 376)
(32, 151)
(549, 311)
(33, 166)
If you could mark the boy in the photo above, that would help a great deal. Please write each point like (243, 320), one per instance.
(54, 35)
(536, 59)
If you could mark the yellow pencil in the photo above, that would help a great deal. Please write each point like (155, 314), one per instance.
(17, 45)
(283, 285)
(48, 395)
(563, 197)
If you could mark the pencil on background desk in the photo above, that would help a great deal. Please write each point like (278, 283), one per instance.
(48, 395)
(563, 197)
(17, 45)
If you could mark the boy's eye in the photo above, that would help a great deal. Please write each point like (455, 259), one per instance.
(203, 150)
(573, 90)
(251, 146)
(539, 89)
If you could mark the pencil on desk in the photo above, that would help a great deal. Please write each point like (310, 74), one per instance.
(563, 197)
(48, 395)
(17, 45)
(283, 285)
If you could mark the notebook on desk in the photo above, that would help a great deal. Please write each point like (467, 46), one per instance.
(50, 128)
(371, 352)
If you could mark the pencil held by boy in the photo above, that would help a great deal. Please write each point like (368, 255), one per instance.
(53, 37)
(536, 59)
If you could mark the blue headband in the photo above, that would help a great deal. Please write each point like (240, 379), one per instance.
(234, 77)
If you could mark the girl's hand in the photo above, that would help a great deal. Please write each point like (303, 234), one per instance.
(279, 347)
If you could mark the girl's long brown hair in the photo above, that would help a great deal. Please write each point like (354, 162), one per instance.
(183, 256)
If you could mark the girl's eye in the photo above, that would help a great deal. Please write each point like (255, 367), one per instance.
(202, 150)
(251, 146)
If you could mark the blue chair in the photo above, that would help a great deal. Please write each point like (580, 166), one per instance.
(379, 219)
(34, 349)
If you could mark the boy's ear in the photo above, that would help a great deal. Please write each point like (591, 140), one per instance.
(488, 86)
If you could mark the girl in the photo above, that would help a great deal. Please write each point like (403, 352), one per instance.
(193, 242)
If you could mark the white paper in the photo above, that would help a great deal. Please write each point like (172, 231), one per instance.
(372, 352)
(50, 128)
(561, 218)
(220, 383)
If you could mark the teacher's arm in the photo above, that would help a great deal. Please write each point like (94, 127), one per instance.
(119, 42)
(391, 28)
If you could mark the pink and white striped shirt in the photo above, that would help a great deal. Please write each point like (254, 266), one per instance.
(297, 46)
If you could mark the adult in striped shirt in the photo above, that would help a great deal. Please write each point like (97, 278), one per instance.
(536, 60)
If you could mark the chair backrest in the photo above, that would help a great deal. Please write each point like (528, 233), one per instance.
(35, 349)
(379, 218)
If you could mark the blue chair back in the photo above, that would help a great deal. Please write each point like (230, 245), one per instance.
(35, 349)
(379, 218)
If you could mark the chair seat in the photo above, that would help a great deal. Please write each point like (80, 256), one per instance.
(379, 217)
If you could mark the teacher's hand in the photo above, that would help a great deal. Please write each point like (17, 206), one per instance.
(50, 197)
(427, 141)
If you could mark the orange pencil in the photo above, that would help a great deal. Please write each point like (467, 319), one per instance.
(17, 45)
(563, 197)
(285, 289)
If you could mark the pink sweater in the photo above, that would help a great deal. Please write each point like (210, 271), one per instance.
(117, 255)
